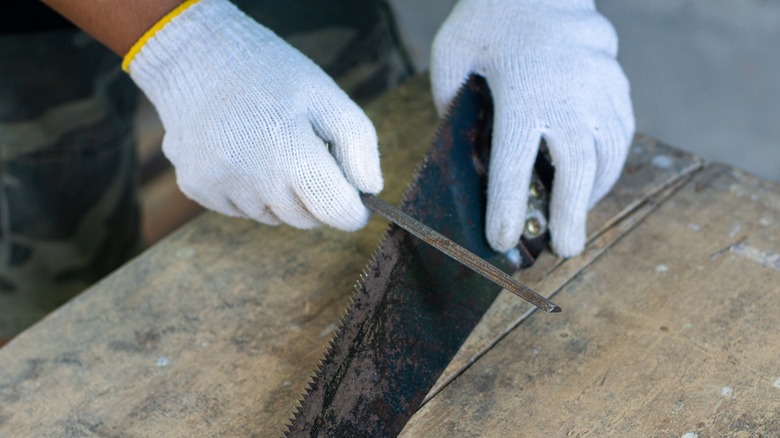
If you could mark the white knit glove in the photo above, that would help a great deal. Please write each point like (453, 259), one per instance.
(249, 120)
(551, 68)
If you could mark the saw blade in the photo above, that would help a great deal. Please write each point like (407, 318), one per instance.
(414, 306)
(458, 253)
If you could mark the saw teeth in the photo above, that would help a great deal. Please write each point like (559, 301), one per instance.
(297, 412)
(298, 407)
(328, 351)
(365, 273)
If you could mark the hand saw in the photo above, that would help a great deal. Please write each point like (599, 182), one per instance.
(414, 306)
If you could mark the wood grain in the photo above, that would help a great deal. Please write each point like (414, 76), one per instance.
(672, 330)
(215, 330)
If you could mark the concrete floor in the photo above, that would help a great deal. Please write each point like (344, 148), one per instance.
(705, 74)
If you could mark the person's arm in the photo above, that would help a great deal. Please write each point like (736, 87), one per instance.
(116, 23)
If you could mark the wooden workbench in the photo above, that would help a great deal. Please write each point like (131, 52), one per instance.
(670, 322)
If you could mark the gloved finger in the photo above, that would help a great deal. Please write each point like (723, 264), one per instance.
(515, 145)
(285, 207)
(612, 98)
(326, 193)
(352, 137)
(212, 200)
(620, 100)
(611, 150)
(268, 217)
(624, 112)
(449, 71)
(573, 156)
(262, 214)
(613, 132)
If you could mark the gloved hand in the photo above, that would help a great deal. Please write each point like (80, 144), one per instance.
(551, 68)
(249, 121)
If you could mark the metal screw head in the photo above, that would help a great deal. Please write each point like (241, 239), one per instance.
(534, 191)
(532, 227)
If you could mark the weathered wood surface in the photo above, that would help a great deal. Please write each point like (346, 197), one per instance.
(214, 331)
(651, 174)
(673, 330)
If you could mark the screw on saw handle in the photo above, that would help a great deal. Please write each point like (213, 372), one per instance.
(457, 252)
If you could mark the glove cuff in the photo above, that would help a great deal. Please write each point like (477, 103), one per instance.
(128, 58)
(189, 50)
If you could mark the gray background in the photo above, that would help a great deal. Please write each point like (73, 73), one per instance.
(705, 74)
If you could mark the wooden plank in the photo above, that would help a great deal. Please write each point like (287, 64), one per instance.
(215, 330)
(671, 331)
(212, 332)
(652, 170)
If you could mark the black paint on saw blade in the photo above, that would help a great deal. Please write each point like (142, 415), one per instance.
(415, 306)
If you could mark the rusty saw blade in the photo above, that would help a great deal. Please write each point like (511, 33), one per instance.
(458, 253)
(415, 306)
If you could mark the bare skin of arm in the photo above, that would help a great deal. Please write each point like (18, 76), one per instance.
(116, 23)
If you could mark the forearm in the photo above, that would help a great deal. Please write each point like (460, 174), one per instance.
(116, 23)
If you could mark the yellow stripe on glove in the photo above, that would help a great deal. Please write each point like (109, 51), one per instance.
(152, 31)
